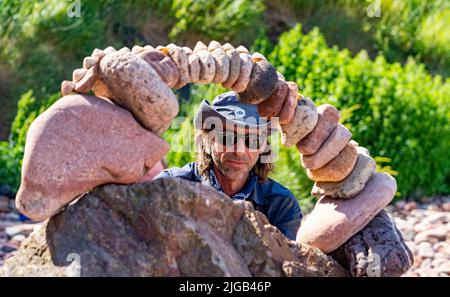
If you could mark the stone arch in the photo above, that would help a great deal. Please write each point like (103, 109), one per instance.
(140, 80)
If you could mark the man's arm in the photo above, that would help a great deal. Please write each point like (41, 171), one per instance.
(286, 215)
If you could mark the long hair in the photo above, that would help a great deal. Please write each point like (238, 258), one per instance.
(205, 160)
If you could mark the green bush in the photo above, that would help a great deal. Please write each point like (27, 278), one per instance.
(417, 28)
(401, 114)
(238, 21)
(12, 150)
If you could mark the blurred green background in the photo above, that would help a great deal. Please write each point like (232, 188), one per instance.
(385, 64)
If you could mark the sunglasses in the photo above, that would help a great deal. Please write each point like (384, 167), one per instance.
(251, 140)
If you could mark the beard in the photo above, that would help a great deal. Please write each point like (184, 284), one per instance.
(224, 163)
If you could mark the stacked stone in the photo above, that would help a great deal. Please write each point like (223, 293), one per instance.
(140, 80)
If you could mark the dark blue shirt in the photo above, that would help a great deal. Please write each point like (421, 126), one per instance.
(276, 202)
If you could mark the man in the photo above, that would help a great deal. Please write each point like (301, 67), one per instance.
(233, 158)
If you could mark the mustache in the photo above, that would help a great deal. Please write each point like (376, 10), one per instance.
(242, 160)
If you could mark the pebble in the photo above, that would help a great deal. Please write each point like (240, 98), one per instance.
(425, 228)
(4, 204)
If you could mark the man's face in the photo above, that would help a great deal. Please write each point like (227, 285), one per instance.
(235, 152)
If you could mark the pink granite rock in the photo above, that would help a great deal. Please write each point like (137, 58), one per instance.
(81, 142)
(364, 168)
(332, 146)
(338, 168)
(327, 122)
(333, 221)
(133, 83)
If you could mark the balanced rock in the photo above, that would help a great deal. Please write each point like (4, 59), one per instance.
(163, 65)
(303, 122)
(167, 227)
(135, 85)
(329, 150)
(272, 106)
(350, 186)
(287, 111)
(326, 123)
(81, 142)
(377, 250)
(338, 168)
(180, 57)
(263, 82)
(245, 71)
(222, 62)
(235, 67)
(334, 221)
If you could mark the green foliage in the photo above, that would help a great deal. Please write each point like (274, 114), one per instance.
(224, 20)
(402, 112)
(181, 133)
(418, 28)
(10, 164)
(11, 151)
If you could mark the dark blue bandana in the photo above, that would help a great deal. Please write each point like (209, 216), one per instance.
(244, 193)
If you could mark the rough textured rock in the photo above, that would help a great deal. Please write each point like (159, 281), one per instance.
(377, 250)
(163, 65)
(272, 106)
(333, 221)
(207, 64)
(81, 142)
(245, 71)
(167, 227)
(85, 84)
(194, 68)
(287, 111)
(350, 186)
(222, 62)
(338, 168)
(235, 67)
(329, 150)
(263, 82)
(135, 85)
(303, 122)
(67, 87)
(180, 57)
(327, 122)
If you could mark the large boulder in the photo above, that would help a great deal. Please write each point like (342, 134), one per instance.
(167, 227)
(78, 143)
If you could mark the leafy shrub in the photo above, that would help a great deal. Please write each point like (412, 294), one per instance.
(223, 20)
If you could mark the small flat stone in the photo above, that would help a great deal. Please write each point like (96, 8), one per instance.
(85, 84)
(179, 56)
(263, 83)
(338, 168)
(287, 111)
(332, 146)
(222, 62)
(235, 67)
(305, 118)
(67, 87)
(272, 106)
(244, 73)
(350, 186)
(163, 65)
(327, 122)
